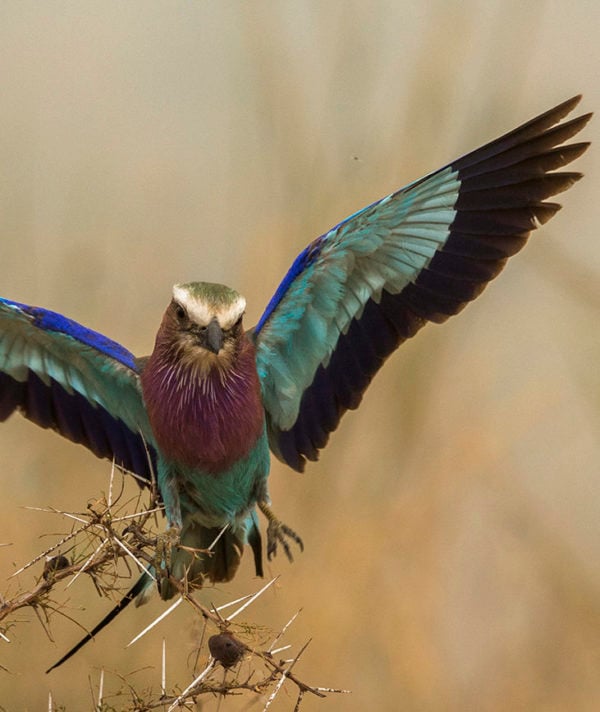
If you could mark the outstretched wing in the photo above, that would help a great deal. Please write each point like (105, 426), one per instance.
(420, 254)
(63, 376)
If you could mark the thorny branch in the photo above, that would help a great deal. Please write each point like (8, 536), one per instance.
(102, 538)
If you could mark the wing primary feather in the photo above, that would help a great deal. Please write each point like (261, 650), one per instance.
(527, 169)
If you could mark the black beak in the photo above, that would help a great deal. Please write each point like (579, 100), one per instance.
(214, 337)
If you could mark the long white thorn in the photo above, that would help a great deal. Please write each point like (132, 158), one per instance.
(100, 690)
(284, 675)
(110, 483)
(275, 692)
(54, 547)
(219, 535)
(156, 621)
(234, 603)
(135, 558)
(125, 517)
(69, 515)
(163, 678)
(87, 563)
(252, 598)
(196, 681)
(281, 633)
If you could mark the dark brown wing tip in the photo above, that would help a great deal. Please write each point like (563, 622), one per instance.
(571, 103)
(563, 109)
(554, 115)
(566, 181)
(580, 121)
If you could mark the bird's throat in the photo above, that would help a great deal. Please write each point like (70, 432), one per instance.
(203, 419)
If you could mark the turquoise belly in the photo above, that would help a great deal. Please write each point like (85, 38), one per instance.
(214, 500)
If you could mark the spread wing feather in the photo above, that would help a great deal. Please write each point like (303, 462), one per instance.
(418, 255)
(63, 376)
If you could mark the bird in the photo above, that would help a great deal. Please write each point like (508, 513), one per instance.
(205, 411)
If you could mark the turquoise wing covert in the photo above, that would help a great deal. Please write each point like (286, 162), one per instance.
(418, 255)
(81, 384)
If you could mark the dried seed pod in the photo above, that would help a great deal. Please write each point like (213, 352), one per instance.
(54, 563)
(226, 649)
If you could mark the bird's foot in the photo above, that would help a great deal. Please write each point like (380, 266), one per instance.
(278, 533)
(166, 544)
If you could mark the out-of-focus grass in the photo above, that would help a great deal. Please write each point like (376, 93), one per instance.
(451, 527)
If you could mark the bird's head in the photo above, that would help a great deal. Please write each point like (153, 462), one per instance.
(204, 324)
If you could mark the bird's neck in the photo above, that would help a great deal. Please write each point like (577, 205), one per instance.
(205, 420)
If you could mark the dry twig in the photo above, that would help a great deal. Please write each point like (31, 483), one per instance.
(103, 538)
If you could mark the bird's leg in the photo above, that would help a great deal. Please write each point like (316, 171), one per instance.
(168, 542)
(278, 533)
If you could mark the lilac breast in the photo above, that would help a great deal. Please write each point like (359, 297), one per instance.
(205, 422)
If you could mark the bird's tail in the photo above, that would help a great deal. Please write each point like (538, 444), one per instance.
(213, 554)
(135, 592)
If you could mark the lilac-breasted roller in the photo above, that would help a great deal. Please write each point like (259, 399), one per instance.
(210, 402)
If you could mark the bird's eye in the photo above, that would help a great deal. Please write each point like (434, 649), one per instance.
(180, 312)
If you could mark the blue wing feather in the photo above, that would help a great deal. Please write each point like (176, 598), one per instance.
(64, 376)
(307, 257)
(52, 321)
(418, 255)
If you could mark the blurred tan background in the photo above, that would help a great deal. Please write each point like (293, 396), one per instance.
(451, 527)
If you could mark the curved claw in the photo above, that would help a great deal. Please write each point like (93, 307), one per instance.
(278, 533)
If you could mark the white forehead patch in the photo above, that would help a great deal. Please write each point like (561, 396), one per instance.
(202, 312)
(228, 314)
